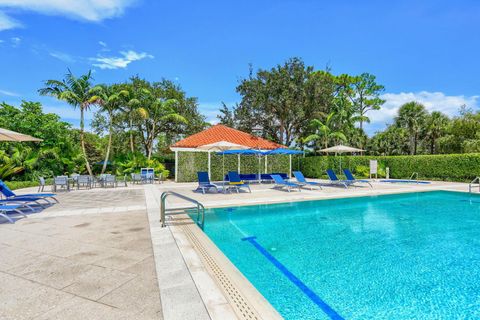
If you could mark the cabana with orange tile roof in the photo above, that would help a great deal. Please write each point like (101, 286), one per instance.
(219, 133)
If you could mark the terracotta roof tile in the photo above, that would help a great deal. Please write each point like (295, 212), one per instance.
(220, 132)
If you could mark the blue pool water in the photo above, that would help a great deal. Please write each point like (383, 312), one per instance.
(408, 256)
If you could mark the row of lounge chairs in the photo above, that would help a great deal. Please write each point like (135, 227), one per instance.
(11, 202)
(235, 183)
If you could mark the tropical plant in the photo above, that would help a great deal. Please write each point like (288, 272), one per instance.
(133, 162)
(435, 126)
(76, 91)
(324, 131)
(159, 111)
(8, 167)
(412, 116)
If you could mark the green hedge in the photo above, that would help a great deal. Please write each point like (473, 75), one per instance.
(21, 184)
(451, 167)
(191, 162)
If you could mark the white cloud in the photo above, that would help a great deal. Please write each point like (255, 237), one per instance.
(7, 22)
(89, 10)
(15, 41)
(122, 61)
(433, 101)
(8, 93)
(62, 56)
(211, 109)
(103, 44)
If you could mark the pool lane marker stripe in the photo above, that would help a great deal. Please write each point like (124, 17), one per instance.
(332, 314)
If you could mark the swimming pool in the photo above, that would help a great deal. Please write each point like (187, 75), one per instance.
(404, 256)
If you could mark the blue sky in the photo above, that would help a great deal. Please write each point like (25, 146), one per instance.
(419, 50)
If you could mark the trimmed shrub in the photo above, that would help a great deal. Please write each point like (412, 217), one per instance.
(21, 184)
(448, 167)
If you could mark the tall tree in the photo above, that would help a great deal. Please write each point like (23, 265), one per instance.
(435, 127)
(110, 99)
(159, 112)
(138, 92)
(76, 91)
(226, 116)
(365, 96)
(275, 100)
(412, 116)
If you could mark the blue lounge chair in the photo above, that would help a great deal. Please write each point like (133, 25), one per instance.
(10, 195)
(235, 183)
(303, 182)
(335, 181)
(281, 183)
(204, 182)
(6, 208)
(350, 177)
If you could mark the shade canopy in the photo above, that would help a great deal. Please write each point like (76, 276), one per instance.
(221, 146)
(8, 135)
(342, 149)
(283, 151)
(242, 152)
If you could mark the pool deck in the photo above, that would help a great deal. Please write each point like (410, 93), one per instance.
(102, 254)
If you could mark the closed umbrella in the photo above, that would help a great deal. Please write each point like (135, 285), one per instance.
(8, 135)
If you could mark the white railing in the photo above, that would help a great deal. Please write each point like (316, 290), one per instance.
(476, 180)
(415, 174)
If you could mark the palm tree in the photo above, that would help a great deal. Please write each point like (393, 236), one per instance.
(435, 127)
(138, 94)
(109, 99)
(159, 112)
(76, 91)
(411, 116)
(324, 131)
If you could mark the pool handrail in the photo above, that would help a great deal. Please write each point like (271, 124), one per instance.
(414, 174)
(477, 180)
(163, 210)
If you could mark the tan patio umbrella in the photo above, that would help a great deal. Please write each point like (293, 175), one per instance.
(8, 135)
(341, 149)
(220, 146)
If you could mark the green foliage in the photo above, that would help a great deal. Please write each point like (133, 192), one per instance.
(452, 167)
(21, 184)
(133, 162)
(362, 171)
(56, 154)
(285, 100)
(412, 116)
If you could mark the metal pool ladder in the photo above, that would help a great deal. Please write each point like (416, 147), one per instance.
(476, 180)
(200, 221)
(415, 174)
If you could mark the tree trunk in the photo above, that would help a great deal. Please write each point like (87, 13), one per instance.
(82, 141)
(132, 149)
(432, 146)
(150, 140)
(107, 154)
(415, 144)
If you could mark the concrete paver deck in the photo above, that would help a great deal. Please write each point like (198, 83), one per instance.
(86, 265)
